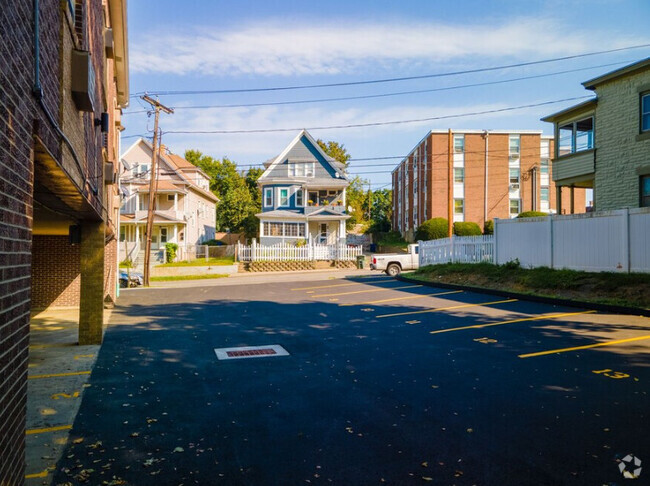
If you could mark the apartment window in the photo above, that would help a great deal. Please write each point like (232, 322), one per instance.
(514, 142)
(283, 197)
(459, 175)
(268, 197)
(459, 144)
(645, 191)
(459, 206)
(515, 205)
(543, 166)
(645, 112)
(300, 199)
(514, 176)
(576, 136)
(415, 187)
(543, 194)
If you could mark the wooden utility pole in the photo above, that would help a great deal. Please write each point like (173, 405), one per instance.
(450, 186)
(152, 184)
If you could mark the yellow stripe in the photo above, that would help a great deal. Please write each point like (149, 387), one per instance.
(367, 291)
(343, 285)
(402, 298)
(42, 474)
(447, 308)
(48, 429)
(588, 346)
(537, 318)
(56, 375)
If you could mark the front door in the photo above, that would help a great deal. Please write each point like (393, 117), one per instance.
(323, 234)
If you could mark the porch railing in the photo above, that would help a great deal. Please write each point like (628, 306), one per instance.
(284, 252)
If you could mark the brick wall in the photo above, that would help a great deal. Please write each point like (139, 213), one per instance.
(56, 272)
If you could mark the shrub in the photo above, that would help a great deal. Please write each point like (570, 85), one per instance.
(300, 243)
(213, 243)
(488, 227)
(531, 214)
(171, 249)
(126, 264)
(432, 229)
(467, 228)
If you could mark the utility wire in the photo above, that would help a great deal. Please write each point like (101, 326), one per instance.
(376, 124)
(384, 95)
(392, 80)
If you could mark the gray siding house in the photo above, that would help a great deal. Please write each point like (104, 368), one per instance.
(303, 196)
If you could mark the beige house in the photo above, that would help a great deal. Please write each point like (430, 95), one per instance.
(604, 143)
(184, 211)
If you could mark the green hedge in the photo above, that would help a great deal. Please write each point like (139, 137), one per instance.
(531, 214)
(432, 229)
(467, 228)
(488, 227)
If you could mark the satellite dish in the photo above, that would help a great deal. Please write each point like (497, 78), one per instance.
(126, 165)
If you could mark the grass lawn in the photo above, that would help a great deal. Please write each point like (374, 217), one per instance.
(202, 262)
(186, 277)
(625, 289)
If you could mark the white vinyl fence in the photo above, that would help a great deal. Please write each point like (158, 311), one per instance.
(285, 252)
(457, 249)
(611, 241)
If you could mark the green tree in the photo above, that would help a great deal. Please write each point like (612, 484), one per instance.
(236, 205)
(356, 199)
(335, 150)
(223, 173)
(381, 210)
(251, 178)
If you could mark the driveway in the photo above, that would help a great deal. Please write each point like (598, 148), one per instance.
(385, 382)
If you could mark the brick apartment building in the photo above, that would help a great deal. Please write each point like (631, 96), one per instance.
(63, 82)
(494, 174)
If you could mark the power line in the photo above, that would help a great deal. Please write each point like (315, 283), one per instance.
(384, 95)
(392, 80)
(375, 124)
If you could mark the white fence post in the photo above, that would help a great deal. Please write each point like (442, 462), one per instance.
(550, 241)
(625, 244)
(495, 235)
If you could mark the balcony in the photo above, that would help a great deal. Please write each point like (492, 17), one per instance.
(335, 208)
(575, 168)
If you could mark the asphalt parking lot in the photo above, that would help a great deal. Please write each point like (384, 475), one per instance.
(385, 382)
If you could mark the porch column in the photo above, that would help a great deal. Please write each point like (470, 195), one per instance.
(572, 194)
(91, 305)
(558, 199)
(175, 201)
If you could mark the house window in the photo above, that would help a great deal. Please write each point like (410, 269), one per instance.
(514, 144)
(142, 170)
(459, 175)
(268, 197)
(576, 136)
(459, 206)
(301, 170)
(290, 230)
(300, 200)
(514, 176)
(459, 144)
(284, 197)
(514, 207)
(645, 191)
(163, 235)
(645, 112)
(122, 233)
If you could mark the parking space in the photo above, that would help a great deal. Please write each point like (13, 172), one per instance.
(384, 382)
(59, 370)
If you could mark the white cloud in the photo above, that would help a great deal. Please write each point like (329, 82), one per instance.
(278, 49)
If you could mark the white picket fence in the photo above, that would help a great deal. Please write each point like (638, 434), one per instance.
(284, 252)
(457, 249)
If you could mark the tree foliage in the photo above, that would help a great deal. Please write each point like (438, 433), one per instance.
(381, 210)
(335, 150)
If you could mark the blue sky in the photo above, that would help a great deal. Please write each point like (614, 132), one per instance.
(216, 45)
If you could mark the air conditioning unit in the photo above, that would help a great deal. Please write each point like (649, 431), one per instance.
(83, 81)
(514, 155)
(109, 43)
(514, 186)
(109, 173)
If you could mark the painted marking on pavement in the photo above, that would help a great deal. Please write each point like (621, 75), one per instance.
(367, 291)
(339, 285)
(617, 375)
(48, 429)
(414, 322)
(42, 474)
(447, 308)
(500, 323)
(588, 346)
(56, 375)
(79, 356)
(485, 340)
(403, 298)
(57, 396)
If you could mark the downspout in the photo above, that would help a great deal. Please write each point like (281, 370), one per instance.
(37, 91)
(485, 202)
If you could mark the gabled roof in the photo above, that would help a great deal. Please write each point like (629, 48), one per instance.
(642, 65)
(335, 165)
(571, 110)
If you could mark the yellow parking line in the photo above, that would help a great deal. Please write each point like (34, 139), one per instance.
(447, 308)
(343, 285)
(48, 429)
(500, 323)
(56, 375)
(42, 474)
(368, 291)
(588, 346)
(402, 298)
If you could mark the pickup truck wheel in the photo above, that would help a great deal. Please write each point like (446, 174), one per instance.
(393, 270)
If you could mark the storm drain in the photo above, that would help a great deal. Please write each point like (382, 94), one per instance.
(243, 352)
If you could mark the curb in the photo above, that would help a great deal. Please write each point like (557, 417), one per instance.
(612, 309)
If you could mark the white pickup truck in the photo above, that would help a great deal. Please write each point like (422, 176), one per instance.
(394, 263)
